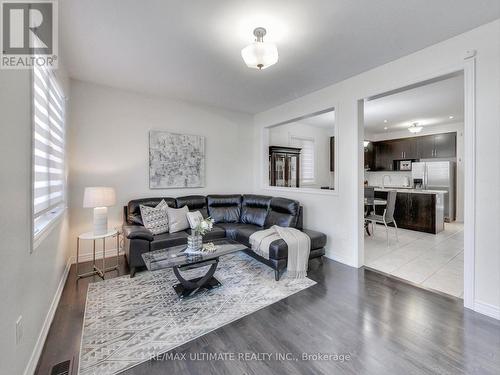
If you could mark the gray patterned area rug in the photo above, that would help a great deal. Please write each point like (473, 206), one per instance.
(129, 321)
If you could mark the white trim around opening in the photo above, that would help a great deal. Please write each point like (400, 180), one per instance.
(468, 66)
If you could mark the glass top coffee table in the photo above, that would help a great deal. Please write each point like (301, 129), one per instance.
(179, 260)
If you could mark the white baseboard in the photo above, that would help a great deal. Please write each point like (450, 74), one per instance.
(37, 351)
(98, 255)
(330, 255)
(487, 309)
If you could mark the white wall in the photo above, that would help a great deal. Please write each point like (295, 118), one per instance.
(375, 178)
(280, 136)
(340, 216)
(28, 282)
(109, 141)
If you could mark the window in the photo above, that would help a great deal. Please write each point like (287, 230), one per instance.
(307, 158)
(49, 177)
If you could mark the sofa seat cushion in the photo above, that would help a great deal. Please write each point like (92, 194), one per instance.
(244, 231)
(232, 229)
(279, 249)
(165, 240)
(217, 232)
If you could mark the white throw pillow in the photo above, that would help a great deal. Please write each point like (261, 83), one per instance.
(177, 219)
(155, 218)
(194, 218)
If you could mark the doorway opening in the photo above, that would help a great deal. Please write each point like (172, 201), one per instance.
(414, 183)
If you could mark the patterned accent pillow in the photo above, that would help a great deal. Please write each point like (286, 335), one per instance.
(155, 218)
(194, 218)
(177, 219)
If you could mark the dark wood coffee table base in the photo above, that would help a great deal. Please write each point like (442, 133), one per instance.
(188, 288)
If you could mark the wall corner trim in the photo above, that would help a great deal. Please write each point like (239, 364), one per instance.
(37, 350)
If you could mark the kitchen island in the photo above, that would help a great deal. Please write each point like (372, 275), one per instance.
(416, 209)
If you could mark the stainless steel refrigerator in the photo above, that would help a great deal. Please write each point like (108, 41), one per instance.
(437, 175)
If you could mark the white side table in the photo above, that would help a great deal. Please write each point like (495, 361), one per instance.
(93, 237)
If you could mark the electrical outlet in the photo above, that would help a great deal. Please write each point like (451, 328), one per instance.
(19, 330)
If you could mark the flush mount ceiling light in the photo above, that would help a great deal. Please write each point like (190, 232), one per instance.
(260, 55)
(414, 128)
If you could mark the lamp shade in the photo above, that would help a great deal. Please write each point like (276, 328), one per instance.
(415, 128)
(99, 196)
(260, 55)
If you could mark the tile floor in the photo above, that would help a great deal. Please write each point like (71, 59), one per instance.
(433, 261)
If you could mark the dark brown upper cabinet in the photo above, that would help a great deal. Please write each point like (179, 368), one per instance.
(437, 146)
(405, 148)
(445, 145)
(382, 155)
(425, 146)
(370, 157)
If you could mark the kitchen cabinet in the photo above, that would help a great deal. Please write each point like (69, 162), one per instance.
(445, 145)
(370, 157)
(437, 146)
(425, 146)
(414, 148)
(383, 156)
(416, 211)
(402, 149)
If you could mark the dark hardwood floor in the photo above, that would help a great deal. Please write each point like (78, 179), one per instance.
(384, 325)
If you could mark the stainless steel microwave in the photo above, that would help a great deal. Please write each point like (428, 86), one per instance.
(405, 165)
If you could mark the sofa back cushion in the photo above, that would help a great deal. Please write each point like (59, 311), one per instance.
(283, 212)
(224, 208)
(134, 211)
(194, 203)
(254, 209)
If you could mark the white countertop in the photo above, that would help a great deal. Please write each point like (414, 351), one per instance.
(410, 190)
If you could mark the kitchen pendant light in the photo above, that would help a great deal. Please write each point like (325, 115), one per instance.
(260, 55)
(415, 128)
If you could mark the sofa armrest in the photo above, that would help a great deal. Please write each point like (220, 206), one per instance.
(137, 232)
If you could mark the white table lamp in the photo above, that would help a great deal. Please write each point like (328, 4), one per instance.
(99, 198)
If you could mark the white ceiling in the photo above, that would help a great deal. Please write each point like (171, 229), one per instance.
(431, 104)
(191, 49)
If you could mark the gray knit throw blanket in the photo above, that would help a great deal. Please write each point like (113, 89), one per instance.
(299, 247)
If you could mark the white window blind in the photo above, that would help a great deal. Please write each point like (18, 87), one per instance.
(48, 148)
(307, 158)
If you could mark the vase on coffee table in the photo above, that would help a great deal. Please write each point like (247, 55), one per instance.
(195, 242)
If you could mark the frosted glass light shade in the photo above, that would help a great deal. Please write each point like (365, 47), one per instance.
(415, 129)
(99, 196)
(260, 55)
